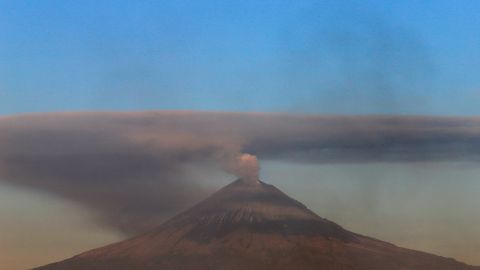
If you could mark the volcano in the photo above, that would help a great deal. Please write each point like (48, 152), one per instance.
(252, 225)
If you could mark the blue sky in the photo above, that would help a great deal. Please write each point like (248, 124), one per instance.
(333, 57)
(321, 57)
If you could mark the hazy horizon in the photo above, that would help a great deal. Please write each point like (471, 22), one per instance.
(116, 115)
(415, 216)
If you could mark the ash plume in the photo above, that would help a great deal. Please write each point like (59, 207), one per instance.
(132, 168)
(246, 167)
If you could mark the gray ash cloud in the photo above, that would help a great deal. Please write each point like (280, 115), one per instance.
(131, 167)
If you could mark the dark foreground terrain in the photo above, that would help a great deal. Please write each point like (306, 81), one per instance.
(252, 225)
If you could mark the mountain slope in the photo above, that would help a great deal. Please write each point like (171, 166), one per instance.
(252, 225)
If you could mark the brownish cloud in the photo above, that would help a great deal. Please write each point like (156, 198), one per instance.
(130, 167)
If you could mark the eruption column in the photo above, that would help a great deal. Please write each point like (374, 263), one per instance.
(246, 167)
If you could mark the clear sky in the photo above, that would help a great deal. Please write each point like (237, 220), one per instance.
(349, 57)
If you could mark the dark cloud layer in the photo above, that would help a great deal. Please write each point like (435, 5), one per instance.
(130, 167)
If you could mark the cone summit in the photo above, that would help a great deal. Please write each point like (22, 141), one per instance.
(249, 224)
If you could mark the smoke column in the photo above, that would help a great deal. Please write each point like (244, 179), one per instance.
(246, 167)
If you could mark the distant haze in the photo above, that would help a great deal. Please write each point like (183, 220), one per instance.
(131, 167)
(96, 171)
(133, 170)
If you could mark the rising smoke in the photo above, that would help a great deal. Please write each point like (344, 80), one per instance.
(131, 167)
(246, 167)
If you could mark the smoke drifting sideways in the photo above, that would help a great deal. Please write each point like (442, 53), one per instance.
(130, 168)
